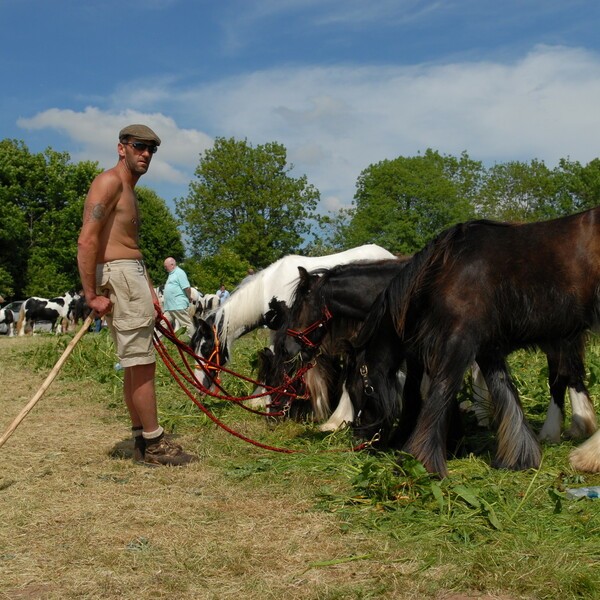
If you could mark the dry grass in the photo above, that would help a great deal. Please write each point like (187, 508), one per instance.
(77, 523)
(80, 520)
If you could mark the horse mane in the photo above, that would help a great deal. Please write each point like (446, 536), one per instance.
(435, 256)
(243, 307)
(326, 274)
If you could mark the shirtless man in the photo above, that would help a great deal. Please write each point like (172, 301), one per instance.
(116, 285)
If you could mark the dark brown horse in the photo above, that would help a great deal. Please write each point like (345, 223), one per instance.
(478, 292)
(346, 294)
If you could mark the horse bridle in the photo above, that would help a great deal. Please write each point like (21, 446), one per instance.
(302, 336)
(368, 389)
(212, 369)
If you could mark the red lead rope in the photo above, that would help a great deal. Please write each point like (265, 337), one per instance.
(166, 329)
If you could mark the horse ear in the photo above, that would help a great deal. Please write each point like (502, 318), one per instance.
(303, 286)
(203, 327)
(276, 315)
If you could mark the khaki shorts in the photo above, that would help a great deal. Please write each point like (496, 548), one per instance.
(131, 322)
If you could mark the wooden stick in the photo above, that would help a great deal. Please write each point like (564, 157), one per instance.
(57, 367)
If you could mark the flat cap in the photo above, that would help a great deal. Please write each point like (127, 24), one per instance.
(141, 132)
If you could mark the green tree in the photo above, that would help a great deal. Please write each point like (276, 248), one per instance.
(581, 185)
(520, 191)
(41, 196)
(209, 272)
(402, 203)
(41, 206)
(245, 199)
(159, 234)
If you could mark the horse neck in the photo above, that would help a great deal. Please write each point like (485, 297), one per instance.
(351, 296)
(242, 312)
(68, 298)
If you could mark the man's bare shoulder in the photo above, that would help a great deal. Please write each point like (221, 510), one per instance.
(107, 184)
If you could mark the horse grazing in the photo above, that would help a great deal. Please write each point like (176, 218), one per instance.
(477, 292)
(53, 310)
(304, 334)
(244, 310)
(302, 408)
(347, 292)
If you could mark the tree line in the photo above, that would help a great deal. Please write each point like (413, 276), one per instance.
(245, 209)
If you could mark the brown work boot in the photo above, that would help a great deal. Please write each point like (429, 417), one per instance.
(139, 448)
(139, 443)
(164, 452)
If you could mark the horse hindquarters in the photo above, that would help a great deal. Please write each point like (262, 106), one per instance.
(518, 447)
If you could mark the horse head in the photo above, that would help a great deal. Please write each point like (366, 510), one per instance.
(375, 389)
(207, 344)
(302, 327)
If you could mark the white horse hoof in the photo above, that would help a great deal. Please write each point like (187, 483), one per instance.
(333, 426)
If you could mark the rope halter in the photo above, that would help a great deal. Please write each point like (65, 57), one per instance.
(302, 336)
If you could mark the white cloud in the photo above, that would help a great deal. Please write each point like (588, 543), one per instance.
(336, 120)
(95, 133)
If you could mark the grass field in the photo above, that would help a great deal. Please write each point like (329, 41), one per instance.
(79, 520)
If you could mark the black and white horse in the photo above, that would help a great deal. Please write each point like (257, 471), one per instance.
(7, 317)
(244, 310)
(477, 292)
(53, 310)
(205, 304)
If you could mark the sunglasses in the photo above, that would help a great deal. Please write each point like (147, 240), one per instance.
(142, 147)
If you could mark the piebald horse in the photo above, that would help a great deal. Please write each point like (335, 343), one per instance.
(245, 309)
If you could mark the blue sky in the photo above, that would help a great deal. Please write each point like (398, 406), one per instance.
(341, 84)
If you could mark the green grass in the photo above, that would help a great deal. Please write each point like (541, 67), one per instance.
(479, 529)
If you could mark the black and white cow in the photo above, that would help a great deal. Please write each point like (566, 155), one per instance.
(7, 317)
(53, 310)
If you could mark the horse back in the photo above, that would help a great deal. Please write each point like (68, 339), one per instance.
(350, 290)
(519, 282)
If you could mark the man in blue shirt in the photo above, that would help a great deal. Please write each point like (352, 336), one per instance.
(177, 296)
(222, 294)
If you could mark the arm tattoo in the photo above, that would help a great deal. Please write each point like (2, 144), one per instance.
(97, 212)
